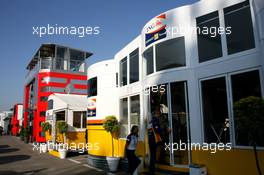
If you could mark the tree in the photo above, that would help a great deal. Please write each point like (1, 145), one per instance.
(249, 114)
(62, 127)
(46, 126)
(111, 125)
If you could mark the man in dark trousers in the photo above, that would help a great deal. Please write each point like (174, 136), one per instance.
(154, 138)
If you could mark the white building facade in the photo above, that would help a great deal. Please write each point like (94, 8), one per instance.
(194, 62)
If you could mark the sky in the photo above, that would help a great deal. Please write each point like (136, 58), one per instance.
(119, 22)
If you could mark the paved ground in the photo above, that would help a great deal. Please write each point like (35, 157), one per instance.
(16, 157)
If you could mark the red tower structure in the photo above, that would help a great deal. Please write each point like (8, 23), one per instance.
(53, 69)
(17, 119)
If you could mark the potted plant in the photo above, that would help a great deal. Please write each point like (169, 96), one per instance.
(110, 124)
(26, 134)
(21, 133)
(62, 128)
(46, 126)
(249, 114)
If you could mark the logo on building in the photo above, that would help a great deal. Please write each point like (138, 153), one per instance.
(91, 107)
(156, 30)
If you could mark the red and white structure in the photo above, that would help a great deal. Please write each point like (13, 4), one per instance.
(17, 119)
(53, 69)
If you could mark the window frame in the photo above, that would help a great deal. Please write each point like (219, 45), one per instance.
(252, 16)
(229, 103)
(94, 79)
(132, 55)
(164, 42)
(83, 115)
(123, 61)
(219, 16)
(129, 112)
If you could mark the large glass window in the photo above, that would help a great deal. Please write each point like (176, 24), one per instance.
(46, 63)
(134, 110)
(79, 119)
(127, 120)
(59, 62)
(245, 85)
(238, 17)
(50, 104)
(170, 54)
(134, 66)
(148, 57)
(76, 60)
(209, 40)
(179, 115)
(123, 71)
(60, 116)
(92, 87)
(215, 110)
(123, 117)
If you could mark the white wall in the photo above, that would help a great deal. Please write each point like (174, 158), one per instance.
(106, 101)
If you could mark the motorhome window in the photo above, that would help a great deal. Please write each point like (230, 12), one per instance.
(238, 17)
(148, 57)
(46, 63)
(60, 57)
(92, 87)
(134, 66)
(84, 119)
(124, 117)
(244, 85)
(77, 119)
(50, 104)
(76, 60)
(209, 40)
(215, 110)
(60, 116)
(170, 54)
(135, 110)
(116, 79)
(123, 71)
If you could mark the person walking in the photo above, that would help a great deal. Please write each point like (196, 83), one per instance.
(131, 145)
(154, 138)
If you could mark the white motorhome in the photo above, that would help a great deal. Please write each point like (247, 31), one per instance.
(206, 56)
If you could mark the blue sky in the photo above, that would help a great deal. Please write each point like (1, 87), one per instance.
(119, 21)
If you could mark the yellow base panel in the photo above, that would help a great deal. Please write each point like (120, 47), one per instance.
(54, 153)
(172, 168)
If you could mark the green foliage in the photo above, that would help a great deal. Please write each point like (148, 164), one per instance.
(26, 132)
(249, 114)
(46, 126)
(21, 133)
(111, 124)
(62, 127)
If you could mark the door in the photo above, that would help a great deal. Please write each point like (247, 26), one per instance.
(171, 99)
(179, 122)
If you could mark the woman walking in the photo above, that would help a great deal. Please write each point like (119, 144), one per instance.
(131, 145)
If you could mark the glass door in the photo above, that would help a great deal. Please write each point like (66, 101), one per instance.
(172, 103)
(179, 123)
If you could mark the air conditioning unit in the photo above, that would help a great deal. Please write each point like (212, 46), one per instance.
(198, 170)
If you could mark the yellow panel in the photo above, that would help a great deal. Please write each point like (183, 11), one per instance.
(97, 134)
(48, 136)
(236, 161)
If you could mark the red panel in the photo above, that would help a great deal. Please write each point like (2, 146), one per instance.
(80, 86)
(42, 106)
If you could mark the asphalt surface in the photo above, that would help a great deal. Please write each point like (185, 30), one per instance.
(17, 157)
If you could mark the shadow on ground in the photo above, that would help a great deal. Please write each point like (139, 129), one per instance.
(9, 150)
(14, 158)
(19, 173)
(4, 146)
